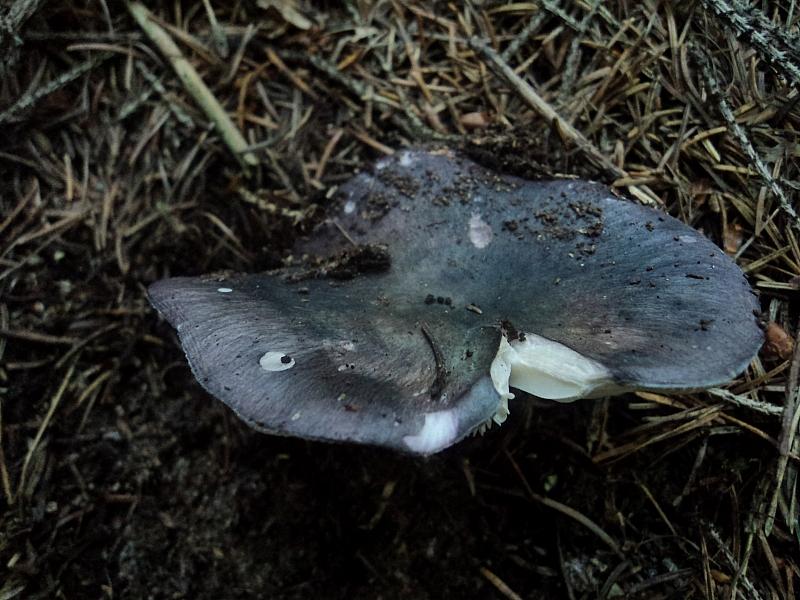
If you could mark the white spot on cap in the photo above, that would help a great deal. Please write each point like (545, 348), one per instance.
(439, 431)
(406, 159)
(340, 347)
(480, 232)
(276, 361)
(295, 416)
(224, 290)
(349, 207)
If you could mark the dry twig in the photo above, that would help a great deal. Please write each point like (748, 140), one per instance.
(745, 143)
(194, 85)
(775, 45)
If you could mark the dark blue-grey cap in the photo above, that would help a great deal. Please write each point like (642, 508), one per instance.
(432, 277)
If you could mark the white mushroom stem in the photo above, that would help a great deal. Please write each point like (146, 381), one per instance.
(545, 369)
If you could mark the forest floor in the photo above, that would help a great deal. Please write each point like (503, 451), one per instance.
(121, 478)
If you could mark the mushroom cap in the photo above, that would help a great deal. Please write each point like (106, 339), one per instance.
(363, 370)
(399, 353)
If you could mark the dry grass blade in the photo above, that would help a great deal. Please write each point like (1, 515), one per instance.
(744, 142)
(565, 510)
(16, 13)
(741, 569)
(547, 112)
(15, 112)
(745, 402)
(194, 84)
(788, 438)
(776, 46)
(41, 338)
(7, 490)
(54, 402)
(501, 586)
(703, 418)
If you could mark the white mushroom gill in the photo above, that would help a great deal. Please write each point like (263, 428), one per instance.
(438, 431)
(545, 369)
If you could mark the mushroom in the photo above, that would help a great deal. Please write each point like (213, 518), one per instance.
(440, 285)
